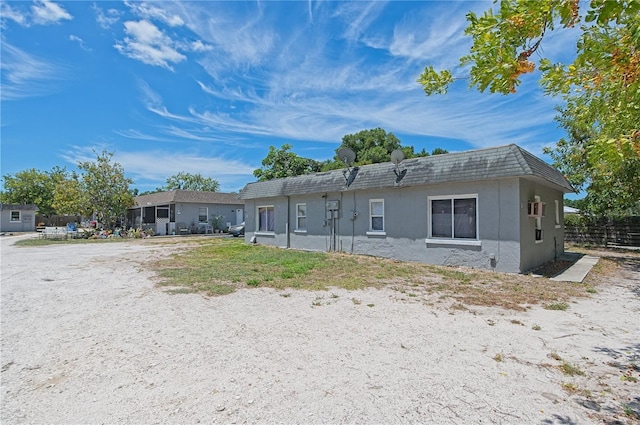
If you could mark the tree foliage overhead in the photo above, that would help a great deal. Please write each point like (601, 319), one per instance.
(370, 146)
(599, 90)
(187, 181)
(33, 187)
(283, 162)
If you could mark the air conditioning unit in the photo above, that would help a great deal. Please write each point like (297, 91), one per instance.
(536, 209)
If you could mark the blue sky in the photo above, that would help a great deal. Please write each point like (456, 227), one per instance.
(207, 86)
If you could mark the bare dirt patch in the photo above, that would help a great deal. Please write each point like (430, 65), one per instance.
(88, 337)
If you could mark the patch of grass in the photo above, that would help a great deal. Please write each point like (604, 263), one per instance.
(181, 291)
(498, 357)
(557, 306)
(371, 305)
(517, 322)
(536, 327)
(570, 370)
(236, 263)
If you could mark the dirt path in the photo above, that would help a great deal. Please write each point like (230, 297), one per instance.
(87, 338)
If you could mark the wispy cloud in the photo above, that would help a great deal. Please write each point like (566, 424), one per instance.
(47, 12)
(80, 42)
(25, 75)
(7, 12)
(150, 11)
(107, 17)
(136, 163)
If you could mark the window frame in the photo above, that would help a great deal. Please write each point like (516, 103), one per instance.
(372, 231)
(18, 220)
(453, 240)
(273, 212)
(206, 215)
(538, 225)
(557, 218)
(299, 228)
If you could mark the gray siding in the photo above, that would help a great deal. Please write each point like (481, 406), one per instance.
(534, 253)
(406, 224)
(27, 221)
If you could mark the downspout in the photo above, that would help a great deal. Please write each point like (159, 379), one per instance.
(286, 225)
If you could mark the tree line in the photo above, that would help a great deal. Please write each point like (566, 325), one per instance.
(100, 189)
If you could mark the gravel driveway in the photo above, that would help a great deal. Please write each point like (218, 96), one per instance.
(86, 337)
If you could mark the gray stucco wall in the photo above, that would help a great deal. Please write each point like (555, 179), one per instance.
(499, 215)
(27, 221)
(188, 213)
(533, 253)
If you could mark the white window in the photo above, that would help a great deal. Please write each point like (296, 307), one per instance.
(538, 230)
(15, 216)
(453, 217)
(301, 217)
(203, 213)
(266, 219)
(557, 214)
(376, 215)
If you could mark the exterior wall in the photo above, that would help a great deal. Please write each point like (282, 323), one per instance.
(533, 253)
(187, 213)
(406, 226)
(27, 221)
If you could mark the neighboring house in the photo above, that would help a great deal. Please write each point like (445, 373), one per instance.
(497, 208)
(18, 218)
(185, 211)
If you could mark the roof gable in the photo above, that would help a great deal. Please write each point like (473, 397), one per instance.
(476, 165)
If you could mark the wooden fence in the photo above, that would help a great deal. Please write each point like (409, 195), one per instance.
(624, 232)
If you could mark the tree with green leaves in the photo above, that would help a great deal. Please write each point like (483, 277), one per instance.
(373, 146)
(283, 162)
(33, 187)
(599, 90)
(105, 188)
(187, 181)
(71, 198)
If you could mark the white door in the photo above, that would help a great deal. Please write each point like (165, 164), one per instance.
(239, 216)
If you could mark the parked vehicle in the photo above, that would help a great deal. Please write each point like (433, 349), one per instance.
(237, 230)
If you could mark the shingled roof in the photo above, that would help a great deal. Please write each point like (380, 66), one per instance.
(188, 196)
(475, 165)
(23, 207)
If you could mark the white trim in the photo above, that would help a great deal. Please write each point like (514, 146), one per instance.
(371, 230)
(265, 232)
(376, 233)
(11, 220)
(298, 217)
(465, 241)
(300, 231)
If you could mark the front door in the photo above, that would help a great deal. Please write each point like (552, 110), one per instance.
(239, 215)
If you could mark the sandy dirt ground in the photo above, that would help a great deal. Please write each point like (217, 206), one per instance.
(86, 337)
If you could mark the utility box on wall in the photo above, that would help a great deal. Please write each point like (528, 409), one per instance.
(333, 209)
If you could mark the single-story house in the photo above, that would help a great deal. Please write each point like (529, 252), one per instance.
(18, 217)
(498, 208)
(185, 211)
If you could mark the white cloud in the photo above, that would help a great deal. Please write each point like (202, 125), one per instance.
(46, 12)
(106, 18)
(7, 12)
(149, 11)
(79, 41)
(148, 44)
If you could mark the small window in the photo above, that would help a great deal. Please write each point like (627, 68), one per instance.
(203, 213)
(557, 213)
(15, 215)
(162, 213)
(301, 216)
(266, 218)
(454, 218)
(539, 234)
(376, 215)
